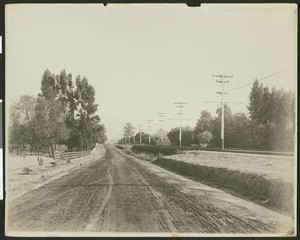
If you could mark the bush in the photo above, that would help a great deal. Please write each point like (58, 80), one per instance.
(204, 137)
(53, 163)
(27, 170)
(128, 151)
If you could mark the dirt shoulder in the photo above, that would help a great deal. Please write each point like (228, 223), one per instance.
(269, 166)
(267, 179)
(19, 183)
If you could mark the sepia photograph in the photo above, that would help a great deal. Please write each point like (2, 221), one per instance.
(150, 120)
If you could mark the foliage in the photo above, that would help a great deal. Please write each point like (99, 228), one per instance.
(50, 127)
(63, 113)
(186, 136)
(21, 127)
(235, 129)
(144, 138)
(203, 129)
(128, 131)
(272, 118)
(156, 137)
(27, 170)
(53, 163)
(204, 137)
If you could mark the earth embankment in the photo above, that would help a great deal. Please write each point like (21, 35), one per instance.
(269, 188)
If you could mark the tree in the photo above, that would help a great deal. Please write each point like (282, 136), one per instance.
(82, 115)
(101, 134)
(156, 137)
(204, 137)
(186, 136)
(238, 134)
(49, 86)
(61, 114)
(204, 124)
(216, 127)
(84, 95)
(143, 137)
(49, 122)
(22, 113)
(256, 102)
(128, 131)
(272, 117)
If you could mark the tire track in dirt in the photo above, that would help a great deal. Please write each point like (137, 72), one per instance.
(119, 193)
(92, 226)
(212, 219)
(62, 204)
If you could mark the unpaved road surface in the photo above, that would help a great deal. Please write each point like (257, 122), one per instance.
(119, 193)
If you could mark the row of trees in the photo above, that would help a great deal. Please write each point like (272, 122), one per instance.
(64, 112)
(142, 137)
(270, 124)
(208, 128)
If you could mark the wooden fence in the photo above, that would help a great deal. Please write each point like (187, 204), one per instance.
(58, 155)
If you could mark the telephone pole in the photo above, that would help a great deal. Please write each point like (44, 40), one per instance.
(140, 129)
(149, 128)
(133, 138)
(222, 81)
(180, 105)
(161, 120)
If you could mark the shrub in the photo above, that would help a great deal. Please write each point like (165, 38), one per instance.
(53, 163)
(128, 151)
(27, 170)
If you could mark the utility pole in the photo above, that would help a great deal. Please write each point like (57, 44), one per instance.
(222, 81)
(149, 128)
(180, 105)
(133, 138)
(140, 125)
(161, 120)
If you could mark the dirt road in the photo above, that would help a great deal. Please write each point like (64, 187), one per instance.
(119, 193)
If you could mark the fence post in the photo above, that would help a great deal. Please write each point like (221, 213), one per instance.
(57, 155)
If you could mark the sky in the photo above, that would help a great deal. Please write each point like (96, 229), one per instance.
(141, 59)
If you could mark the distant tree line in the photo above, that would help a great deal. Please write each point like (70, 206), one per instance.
(270, 125)
(64, 112)
(141, 137)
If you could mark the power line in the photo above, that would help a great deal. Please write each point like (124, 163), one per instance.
(271, 75)
(233, 89)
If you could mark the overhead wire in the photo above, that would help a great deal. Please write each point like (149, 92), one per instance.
(239, 87)
(259, 80)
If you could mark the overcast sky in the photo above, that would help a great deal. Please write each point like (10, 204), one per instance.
(142, 58)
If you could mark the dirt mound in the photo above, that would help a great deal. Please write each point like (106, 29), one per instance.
(271, 192)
